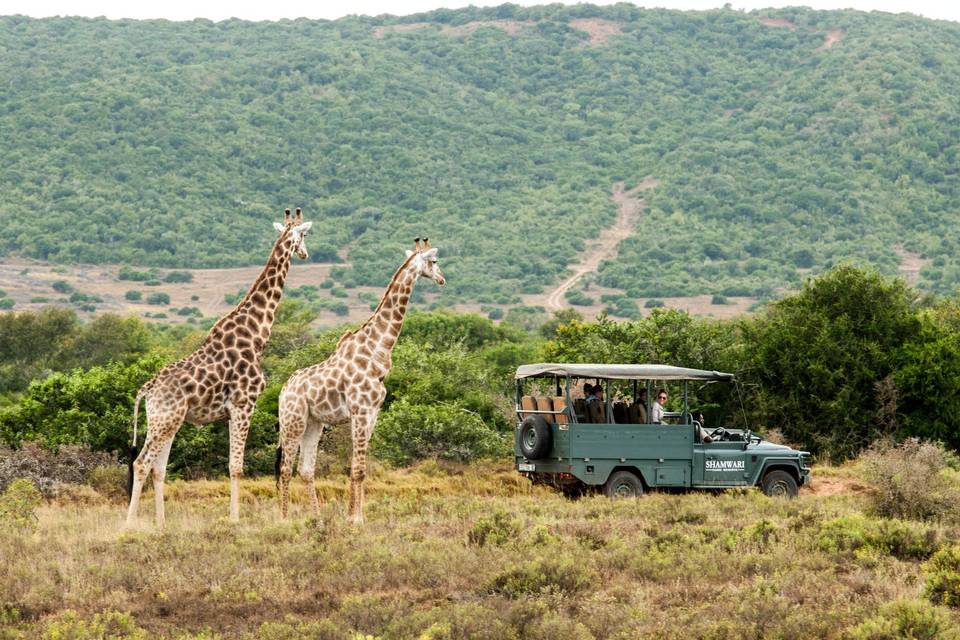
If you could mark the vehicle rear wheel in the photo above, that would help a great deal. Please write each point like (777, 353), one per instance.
(623, 484)
(534, 437)
(779, 484)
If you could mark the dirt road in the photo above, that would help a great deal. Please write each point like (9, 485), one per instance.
(629, 208)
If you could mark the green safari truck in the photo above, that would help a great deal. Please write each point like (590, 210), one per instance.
(577, 443)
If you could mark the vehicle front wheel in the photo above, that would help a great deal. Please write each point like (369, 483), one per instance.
(623, 484)
(779, 484)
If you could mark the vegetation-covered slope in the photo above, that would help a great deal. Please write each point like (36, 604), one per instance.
(176, 144)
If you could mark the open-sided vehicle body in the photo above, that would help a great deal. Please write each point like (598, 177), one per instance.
(565, 442)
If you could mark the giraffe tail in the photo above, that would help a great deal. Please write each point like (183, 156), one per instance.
(277, 463)
(134, 452)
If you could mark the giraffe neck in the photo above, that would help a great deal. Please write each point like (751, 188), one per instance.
(257, 310)
(383, 327)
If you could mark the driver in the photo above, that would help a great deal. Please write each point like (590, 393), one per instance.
(698, 422)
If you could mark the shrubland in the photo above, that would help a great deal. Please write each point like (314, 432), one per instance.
(500, 133)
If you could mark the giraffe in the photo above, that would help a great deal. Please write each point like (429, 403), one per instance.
(221, 379)
(348, 386)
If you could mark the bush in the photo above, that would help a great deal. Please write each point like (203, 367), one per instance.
(47, 469)
(496, 530)
(133, 295)
(179, 276)
(408, 432)
(943, 577)
(7, 303)
(857, 533)
(653, 303)
(909, 480)
(112, 625)
(719, 299)
(62, 286)
(908, 619)
(158, 298)
(541, 577)
(579, 298)
(18, 503)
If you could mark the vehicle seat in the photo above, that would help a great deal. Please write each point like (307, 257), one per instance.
(596, 412)
(527, 402)
(580, 408)
(620, 413)
(545, 403)
(638, 413)
(560, 404)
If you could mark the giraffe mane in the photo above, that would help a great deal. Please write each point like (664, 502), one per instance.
(393, 280)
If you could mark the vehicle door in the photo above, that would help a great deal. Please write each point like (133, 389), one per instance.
(720, 464)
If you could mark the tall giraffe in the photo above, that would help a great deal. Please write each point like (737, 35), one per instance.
(348, 386)
(221, 379)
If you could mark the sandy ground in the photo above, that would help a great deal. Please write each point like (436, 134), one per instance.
(833, 37)
(599, 29)
(910, 265)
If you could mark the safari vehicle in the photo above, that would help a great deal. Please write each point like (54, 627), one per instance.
(577, 445)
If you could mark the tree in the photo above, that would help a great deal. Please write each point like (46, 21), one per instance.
(816, 357)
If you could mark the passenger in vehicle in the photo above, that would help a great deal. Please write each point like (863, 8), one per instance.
(656, 414)
(587, 390)
(642, 406)
(596, 394)
(699, 421)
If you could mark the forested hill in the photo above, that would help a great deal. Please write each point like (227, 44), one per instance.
(783, 141)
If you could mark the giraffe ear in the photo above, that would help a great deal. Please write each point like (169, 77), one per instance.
(430, 253)
(279, 227)
(408, 252)
(302, 227)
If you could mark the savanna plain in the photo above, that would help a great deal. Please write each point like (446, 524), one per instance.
(451, 551)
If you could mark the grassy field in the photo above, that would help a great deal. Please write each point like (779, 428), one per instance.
(472, 553)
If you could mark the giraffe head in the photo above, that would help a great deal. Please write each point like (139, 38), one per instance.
(425, 261)
(298, 231)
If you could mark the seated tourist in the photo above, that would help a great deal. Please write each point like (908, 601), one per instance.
(656, 413)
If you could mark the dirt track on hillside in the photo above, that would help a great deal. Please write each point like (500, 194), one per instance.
(629, 207)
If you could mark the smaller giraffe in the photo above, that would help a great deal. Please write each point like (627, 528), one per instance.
(221, 379)
(348, 386)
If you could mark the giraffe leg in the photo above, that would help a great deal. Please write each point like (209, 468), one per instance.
(292, 426)
(239, 427)
(159, 474)
(160, 433)
(309, 443)
(362, 422)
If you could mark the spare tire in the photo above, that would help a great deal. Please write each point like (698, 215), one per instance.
(535, 437)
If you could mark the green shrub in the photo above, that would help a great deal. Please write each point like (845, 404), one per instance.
(133, 295)
(943, 577)
(653, 303)
(18, 504)
(293, 630)
(336, 292)
(158, 298)
(408, 432)
(497, 530)
(566, 576)
(39, 299)
(579, 298)
(907, 619)
(7, 303)
(719, 299)
(178, 276)
(104, 626)
(898, 538)
(910, 480)
(62, 286)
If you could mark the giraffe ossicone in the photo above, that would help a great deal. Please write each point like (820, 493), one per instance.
(221, 379)
(348, 387)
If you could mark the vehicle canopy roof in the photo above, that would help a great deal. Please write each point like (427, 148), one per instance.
(618, 371)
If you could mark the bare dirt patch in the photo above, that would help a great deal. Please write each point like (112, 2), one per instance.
(27, 280)
(599, 30)
(833, 37)
(782, 23)
(835, 486)
(511, 27)
(910, 264)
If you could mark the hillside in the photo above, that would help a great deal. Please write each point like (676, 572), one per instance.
(780, 142)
